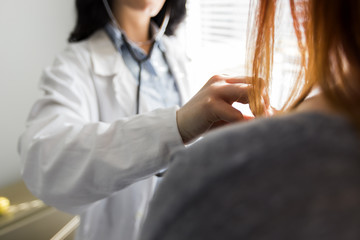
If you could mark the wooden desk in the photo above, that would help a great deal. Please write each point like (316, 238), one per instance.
(29, 222)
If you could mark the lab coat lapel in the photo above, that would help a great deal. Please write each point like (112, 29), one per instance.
(108, 65)
(178, 68)
(105, 59)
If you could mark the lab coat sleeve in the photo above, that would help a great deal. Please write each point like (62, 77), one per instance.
(70, 160)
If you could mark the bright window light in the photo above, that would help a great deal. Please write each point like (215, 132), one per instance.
(215, 34)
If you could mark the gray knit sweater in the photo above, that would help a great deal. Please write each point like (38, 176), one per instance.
(285, 178)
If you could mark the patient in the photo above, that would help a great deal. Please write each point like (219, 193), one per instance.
(292, 176)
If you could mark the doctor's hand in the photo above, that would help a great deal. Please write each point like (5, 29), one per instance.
(212, 106)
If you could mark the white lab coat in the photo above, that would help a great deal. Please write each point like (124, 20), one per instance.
(84, 151)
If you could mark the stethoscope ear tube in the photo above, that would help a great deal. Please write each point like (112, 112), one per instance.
(138, 60)
(156, 37)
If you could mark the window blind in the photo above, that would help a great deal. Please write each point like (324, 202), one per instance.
(216, 32)
(223, 21)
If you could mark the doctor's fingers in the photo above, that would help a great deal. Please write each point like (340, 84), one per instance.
(226, 78)
(231, 92)
(237, 92)
(224, 112)
(240, 79)
(250, 80)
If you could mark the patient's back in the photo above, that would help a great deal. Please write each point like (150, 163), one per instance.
(295, 177)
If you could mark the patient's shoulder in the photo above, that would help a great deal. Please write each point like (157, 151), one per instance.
(286, 144)
(299, 135)
(251, 180)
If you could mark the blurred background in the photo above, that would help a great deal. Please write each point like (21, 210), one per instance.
(33, 32)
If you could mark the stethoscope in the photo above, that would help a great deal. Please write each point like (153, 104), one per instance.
(138, 60)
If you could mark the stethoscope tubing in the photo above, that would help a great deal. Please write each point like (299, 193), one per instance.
(138, 60)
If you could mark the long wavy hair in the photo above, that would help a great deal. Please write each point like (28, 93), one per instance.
(92, 16)
(328, 36)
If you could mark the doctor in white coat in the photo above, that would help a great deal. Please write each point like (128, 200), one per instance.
(108, 122)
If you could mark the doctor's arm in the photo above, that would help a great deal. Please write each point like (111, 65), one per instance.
(70, 159)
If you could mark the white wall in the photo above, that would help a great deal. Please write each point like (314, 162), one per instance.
(31, 33)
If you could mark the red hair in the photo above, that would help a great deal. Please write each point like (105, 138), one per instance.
(328, 36)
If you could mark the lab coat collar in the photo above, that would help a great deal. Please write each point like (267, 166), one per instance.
(106, 61)
(116, 35)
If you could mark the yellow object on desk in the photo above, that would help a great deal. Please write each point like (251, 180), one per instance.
(4, 205)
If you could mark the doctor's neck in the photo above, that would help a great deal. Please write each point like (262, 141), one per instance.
(136, 25)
